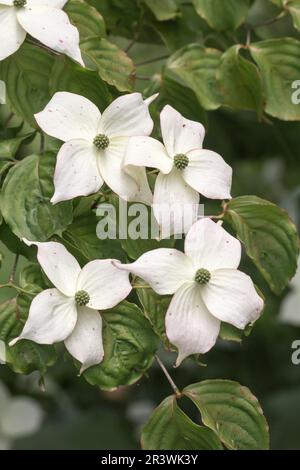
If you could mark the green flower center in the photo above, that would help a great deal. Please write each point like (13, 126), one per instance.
(82, 298)
(202, 276)
(19, 3)
(101, 141)
(181, 161)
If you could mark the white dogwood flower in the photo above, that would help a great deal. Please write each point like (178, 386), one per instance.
(186, 170)
(42, 19)
(20, 416)
(207, 285)
(69, 312)
(95, 145)
(290, 307)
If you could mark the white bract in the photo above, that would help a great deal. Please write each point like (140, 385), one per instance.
(95, 145)
(207, 285)
(42, 19)
(290, 307)
(69, 313)
(20, 416)
(186, 170)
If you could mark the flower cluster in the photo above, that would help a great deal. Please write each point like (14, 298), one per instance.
(69, 312)
(115, 147)
(207, 286)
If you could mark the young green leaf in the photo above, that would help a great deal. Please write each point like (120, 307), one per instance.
(155, 307)
(129, 348)
(240, 81)
(81, 238)
(66, 75)
(181, 98)
(86, 18)
(26, 75)
(196, 67)
(269, 236)
(279, 64)
(230, 333)
(112, 64)
(294, 8)
(169, 428)
(25, 199)
(222, 15)
(9, 147)
(233, 412)
(25, 356)
(166, 10)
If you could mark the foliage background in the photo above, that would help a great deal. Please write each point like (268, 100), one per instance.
(264, 153)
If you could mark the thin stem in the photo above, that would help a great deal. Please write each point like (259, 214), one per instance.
(13, 270)
(136, 34)
(13, 286)
(132, 43)
(168, 377)
(150, 61)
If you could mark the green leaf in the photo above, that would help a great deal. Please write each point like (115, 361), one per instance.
(66, 75)
(279, 64)
(14, 244)
(136, 247)
(240, 82)
(129, 348)
(269, 236)
(166, 10)
(86, 18)
(222, 15)
(196, 67)
(82, 236)
(32, 274)
(121, 16)
(230, 333)
(4, 167)
(25, 200)
(169, 428)
(9, 147)
(25, 356)
(112, 64)
(155, 307)
(233, 412)
(26, 75)
(135, 224)
(181, 98)
(294, 8)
